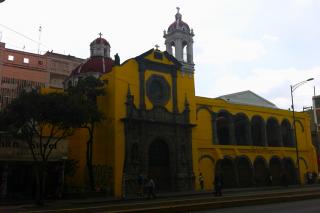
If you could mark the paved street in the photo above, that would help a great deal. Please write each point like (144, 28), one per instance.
(305, 206)
(190, 202)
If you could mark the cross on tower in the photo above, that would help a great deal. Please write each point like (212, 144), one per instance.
(100, 34)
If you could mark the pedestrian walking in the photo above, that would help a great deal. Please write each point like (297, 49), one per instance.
(140, 181)
(269, 179)
(218, 184)
(309, 177)
(201, 181)
(151, 188)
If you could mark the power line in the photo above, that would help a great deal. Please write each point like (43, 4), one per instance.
(37, 42)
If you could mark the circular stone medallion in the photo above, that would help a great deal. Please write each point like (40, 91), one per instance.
(158, 90)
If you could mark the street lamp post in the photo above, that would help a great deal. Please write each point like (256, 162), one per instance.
(292, 89)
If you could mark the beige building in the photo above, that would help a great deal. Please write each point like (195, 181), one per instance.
(19, 69)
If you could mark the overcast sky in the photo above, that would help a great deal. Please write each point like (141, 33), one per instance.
(259, 45)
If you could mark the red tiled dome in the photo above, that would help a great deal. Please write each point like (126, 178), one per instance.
(94, 64)
(100, 41)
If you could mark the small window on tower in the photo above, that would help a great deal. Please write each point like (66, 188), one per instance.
(10, 57)
(40, 62)
(26, 60)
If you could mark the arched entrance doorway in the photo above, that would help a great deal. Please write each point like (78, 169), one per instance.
(260, 172)
(290, 170)
(244, 168)
(275, 170)
(159, 165)
(226, 167)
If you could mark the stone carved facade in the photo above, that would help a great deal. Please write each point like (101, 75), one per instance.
(145, 128)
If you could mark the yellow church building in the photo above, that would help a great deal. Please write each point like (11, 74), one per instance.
(156, 126)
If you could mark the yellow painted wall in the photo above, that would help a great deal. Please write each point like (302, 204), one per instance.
(202, 135)
(109, 144)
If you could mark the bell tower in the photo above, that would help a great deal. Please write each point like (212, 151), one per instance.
(179, 42)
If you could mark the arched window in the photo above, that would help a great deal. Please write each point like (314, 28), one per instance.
(261, 172)
(184, 51)
(286, 132)
(241, 127)
(257, 131)
(273, 132)
(226, 168)
(275, 170)
(223, 128)
(245, 172)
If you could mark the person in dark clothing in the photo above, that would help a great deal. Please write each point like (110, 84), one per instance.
(151, 188)
(269, 179)
(218, 184)
(201, 181)
(140, 181)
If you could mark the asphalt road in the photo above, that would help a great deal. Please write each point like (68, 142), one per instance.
(305, 206)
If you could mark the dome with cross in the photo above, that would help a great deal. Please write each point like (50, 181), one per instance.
(98, 63)
(100, 47)
(178, 24)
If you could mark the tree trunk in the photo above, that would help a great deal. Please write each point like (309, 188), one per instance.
(40, 171)
(89, 160)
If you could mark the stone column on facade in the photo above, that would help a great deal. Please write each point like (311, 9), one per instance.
(178, 50)
(169, 48)
(215, 139)
(190, 52)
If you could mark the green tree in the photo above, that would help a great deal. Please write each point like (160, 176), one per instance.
(42, 121)
(87, 90)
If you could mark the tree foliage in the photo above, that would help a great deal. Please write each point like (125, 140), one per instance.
(87, 90)
(42, 121)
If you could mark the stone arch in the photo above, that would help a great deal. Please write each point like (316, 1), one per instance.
(242, 129)
(301, 159)
(172, 49)
(300, 124)
(287, 134)
(245, 171)
(275, 166)
(290, 171)
(207, 108)
(206, 166)
(261, 171)
(258, 131)
(185, 51)
(206, 156)
(226, 167)
(224, 127)
(159, 164)
(273, 132)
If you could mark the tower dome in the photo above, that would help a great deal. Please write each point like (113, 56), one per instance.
(179, 42)
(178, 24)
(98, 64)
(100, 47)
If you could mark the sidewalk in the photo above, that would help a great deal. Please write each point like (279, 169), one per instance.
(227, 193)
